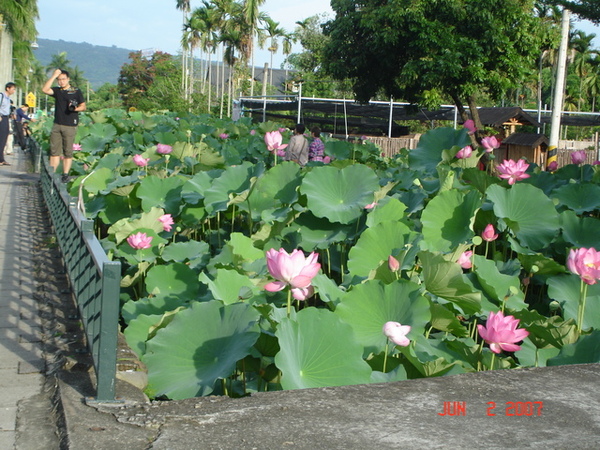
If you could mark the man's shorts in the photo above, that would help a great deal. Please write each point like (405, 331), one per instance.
(61, 140)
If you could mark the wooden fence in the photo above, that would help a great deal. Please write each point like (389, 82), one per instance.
(391, 146)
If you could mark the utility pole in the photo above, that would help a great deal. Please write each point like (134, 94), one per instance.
(559, 88)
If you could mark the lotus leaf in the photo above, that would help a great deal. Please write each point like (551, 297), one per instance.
(175, 279)
(233, 181)
(579, 197)
(501, 288)
(230, 286)
(148, 220)
(586, 350)
(376, 244)
(445, 279)
(216, 337)
(161, 192)
(448, 220)
(565, 289)
(339, 195)
(318, 349)
(580, 231)
(368, 306)
(277, 187)
(389, 209)
(529, 214)
(428, 153)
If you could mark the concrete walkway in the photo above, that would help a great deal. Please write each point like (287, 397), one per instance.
(22, 366)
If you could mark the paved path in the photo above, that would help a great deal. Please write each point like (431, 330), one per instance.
(22, 364)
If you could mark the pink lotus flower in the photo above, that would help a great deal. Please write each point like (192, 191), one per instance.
(501, 332)
(371, 205)
(294, 270)
(252, 132)
(396, 333)
(489, 233)
(513, 171)
(140, 161)
(326, 160)
(281, 153)
(490, 143)
(167, 221)
(465, 259)
(464, 152)
(393, 264)
(553, 166)
(140, 241)
(273, 140)
(585, 262)
(578, 157)
(282, 130)
(470, 126)
(164, 149)
(76, 147)
(224, 136)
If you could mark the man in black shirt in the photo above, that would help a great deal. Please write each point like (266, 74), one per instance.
(69, 103)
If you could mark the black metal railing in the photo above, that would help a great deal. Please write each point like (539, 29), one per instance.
(95, 280)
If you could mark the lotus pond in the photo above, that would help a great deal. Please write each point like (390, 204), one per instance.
(193, 205)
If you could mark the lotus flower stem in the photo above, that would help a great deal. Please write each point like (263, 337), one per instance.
(385, 354)
(581, 310)
(328, 261)
(492, 362)
(244, 375)
(232, 216)
(218, 228)
(480, 360)
(289, 303)
(428, 331)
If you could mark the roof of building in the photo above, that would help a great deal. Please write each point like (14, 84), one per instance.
(526, 139)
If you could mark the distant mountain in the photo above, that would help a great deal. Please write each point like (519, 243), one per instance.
(99, 64)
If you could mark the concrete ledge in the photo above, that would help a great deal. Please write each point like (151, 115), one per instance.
(383, 416)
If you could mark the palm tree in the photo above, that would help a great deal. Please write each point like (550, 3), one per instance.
(184, 7)
(273, 31)
(581, 54)
(288, 41)
(252, 16)
(59, 61)
(206, 21)
(19, 17)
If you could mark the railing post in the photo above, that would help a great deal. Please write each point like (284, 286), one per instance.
(109, 322)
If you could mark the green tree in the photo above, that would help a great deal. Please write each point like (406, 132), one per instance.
(19, 16)
(59, 61)
(152, 84)
(107, 96)
(308, 64)
(585, 9)
(274, 31)
(465, 49)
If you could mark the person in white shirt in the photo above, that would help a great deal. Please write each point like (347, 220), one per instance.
(5, 114)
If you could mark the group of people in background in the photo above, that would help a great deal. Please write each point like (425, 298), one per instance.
(300, 150)
(13, 123)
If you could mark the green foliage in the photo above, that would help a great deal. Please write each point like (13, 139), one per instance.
(458, 48)
(195, 307)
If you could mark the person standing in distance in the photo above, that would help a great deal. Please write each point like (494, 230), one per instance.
(68, 104)
(297, 149)
(5, 115)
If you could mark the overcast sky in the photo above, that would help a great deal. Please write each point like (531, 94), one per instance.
(148, 24)
(156, 24)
